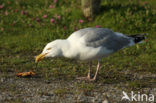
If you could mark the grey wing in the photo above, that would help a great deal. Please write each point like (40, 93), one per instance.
(97, 37)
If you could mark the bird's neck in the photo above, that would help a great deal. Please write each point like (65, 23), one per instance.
(66, 49)
(64, 46)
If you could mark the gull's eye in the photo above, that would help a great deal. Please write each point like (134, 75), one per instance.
(48, 48)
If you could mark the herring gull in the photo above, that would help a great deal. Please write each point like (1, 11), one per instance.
(89, 44)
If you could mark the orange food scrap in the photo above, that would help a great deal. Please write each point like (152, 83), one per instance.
(25, 74)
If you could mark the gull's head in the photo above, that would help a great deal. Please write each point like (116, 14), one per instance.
(52, 49)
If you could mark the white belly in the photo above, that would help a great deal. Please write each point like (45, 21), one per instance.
(88, 53)
(94, 53)
(82, 52)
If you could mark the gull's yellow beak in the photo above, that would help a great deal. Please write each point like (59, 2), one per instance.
(40, 57)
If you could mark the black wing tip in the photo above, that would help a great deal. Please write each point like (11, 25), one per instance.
(139, 37)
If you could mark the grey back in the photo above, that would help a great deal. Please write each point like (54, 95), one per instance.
(96, 37)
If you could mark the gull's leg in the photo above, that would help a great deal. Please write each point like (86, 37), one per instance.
(97, 69)
(88, 76)
(90, 66)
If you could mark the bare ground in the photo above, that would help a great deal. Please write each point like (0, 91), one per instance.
(36, 89)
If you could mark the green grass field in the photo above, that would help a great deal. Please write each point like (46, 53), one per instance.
(26, 26)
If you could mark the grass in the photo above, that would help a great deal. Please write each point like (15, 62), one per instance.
(24, 32)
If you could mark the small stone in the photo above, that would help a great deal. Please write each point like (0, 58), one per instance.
(105, 101)
(2, 80)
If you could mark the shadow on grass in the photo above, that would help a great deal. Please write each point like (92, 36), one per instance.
(120, 7)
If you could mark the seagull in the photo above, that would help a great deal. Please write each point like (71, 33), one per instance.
(89, 44)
